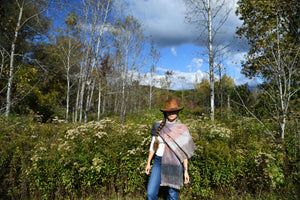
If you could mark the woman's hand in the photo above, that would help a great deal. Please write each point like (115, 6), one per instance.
(186, 177)
(147, 170)
(186, 174)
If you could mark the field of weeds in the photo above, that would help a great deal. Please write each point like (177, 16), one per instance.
(106, 160)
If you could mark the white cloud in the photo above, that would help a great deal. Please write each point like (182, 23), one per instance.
(161, 69)
(196, 64)
(173, 51)
(234, 68)
(164, 21)
(186, 80)
(180, 80)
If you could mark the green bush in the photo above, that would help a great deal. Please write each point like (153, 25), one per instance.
(98, 160)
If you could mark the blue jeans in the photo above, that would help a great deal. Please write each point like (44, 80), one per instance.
(154, 183)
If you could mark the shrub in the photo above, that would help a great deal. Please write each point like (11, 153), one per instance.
(102, 159)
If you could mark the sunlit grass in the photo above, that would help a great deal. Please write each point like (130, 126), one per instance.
(106, 160)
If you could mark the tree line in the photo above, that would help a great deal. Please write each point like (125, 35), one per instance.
(85, 59)
(84, 62)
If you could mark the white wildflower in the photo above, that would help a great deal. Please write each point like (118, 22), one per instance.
(100, 134)
(82, 169)
(97, 161)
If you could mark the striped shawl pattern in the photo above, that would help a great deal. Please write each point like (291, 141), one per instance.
(179, 145)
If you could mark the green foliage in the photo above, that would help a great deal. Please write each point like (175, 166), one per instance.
(33, 29)
(97, 160)
(255, 27)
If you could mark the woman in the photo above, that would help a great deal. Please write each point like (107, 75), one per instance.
(172, 146)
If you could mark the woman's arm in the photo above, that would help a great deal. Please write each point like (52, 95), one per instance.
(150, 156)
(186, 174)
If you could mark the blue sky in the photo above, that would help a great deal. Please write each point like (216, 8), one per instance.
(178, 42)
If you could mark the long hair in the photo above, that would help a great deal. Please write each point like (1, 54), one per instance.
(156, 142)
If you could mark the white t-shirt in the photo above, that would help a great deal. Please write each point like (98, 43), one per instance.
(161, 147)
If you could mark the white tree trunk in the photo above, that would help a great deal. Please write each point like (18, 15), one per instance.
(11, 64)
(124, 79)
(155, 56)
(68, 81)
(86, 104)
(78, 94)
(81, 94)
(89, 99)
(228, 102)
(151, 87)
(210, 16)
(99, 100)
(88, 39)
(123, 96)
(103, 12)
(211, 65)
(104, 97)
(221, 89)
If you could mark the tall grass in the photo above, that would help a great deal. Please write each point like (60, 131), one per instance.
(106, 160)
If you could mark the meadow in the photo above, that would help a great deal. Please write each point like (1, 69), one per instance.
(234, 159)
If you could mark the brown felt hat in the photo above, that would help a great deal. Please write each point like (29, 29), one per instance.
(171, 106)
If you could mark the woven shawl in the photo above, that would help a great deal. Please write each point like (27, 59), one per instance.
(179, 146)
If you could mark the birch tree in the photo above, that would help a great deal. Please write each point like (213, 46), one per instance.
(103, 70)
(128, 47)
(24, 20)
(182, 80)
(285, 71)
(209, 16)
(91, 19)
(95, 20)
(274, 38)
(154, 56)
(69, 51)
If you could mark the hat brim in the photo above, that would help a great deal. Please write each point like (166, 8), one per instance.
(171, 109)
